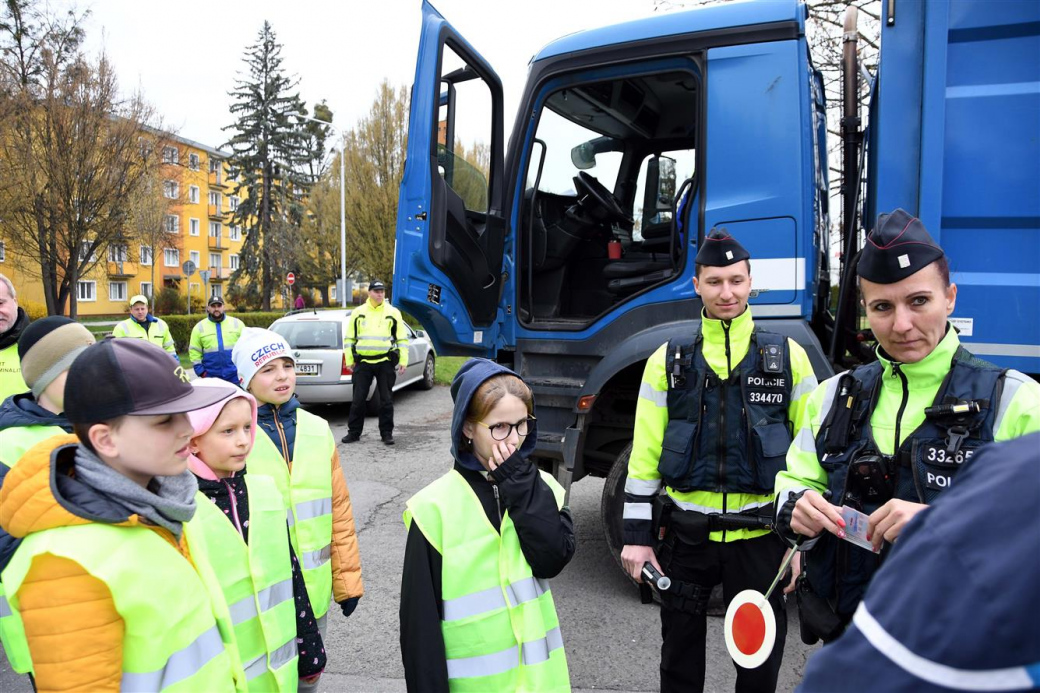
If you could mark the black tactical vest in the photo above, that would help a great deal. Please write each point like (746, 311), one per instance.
(959, 421)
(727, 435)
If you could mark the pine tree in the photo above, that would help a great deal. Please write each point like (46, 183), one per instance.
(271, 155)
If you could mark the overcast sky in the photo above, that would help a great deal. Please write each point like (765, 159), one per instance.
(185, 55)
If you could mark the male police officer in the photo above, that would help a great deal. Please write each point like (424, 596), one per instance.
(888, 437)
(376, 345)
(713, 422)
(212, 340)
(143, 325)
(13, 321)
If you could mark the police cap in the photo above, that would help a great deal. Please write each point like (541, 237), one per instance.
(898, 246)
(720, 250)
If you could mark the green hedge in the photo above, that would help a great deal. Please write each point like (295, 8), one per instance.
(181, 325)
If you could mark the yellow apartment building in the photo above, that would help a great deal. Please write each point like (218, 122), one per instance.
(199, 230)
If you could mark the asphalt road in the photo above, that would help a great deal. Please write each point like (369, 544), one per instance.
(612, 640)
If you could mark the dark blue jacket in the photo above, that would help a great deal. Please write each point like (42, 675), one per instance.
(282, 434)
(958, 599)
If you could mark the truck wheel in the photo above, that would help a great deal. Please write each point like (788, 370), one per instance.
(612, 505)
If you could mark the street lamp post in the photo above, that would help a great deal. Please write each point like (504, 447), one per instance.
(342, 211)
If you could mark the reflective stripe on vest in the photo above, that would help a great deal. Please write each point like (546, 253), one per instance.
(500, 627)
(307, 494)
(178, 638)
(256, 579)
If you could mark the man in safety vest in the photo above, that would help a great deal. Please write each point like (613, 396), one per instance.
(104, 592)
(885, 439)
(12, 321)
(143, 325)
(713, 422)
(376, 345)
(212, 340)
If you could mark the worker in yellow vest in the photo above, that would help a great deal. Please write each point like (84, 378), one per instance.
(105, 592)
(477, 613)
(143, 325)
(13, 321)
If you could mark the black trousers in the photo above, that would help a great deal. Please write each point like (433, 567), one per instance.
(738, 565)
(385, 375)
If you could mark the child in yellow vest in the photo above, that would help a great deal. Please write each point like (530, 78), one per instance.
(106, 593)
(299, 453)
(483, 540)
(224, 436)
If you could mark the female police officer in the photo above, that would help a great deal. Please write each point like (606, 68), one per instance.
(887, 437)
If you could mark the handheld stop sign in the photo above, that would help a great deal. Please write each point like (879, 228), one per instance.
(750, 626)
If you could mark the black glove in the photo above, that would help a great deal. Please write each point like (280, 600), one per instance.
(348, 606)
(509, 468)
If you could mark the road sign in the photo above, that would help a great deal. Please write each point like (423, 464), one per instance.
(290, 279)
(204, 275)
(188, 267)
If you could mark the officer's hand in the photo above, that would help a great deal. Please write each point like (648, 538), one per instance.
(813, 514)
(633, 556)
(887, 522)
(796, 570)
(400, 370)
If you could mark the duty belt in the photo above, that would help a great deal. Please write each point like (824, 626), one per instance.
(761, 518)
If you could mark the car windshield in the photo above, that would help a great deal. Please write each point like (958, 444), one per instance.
(310, 334)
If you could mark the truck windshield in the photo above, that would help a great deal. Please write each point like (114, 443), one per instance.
(561, 136)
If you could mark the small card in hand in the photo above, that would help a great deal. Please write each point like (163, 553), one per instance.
(856, 528)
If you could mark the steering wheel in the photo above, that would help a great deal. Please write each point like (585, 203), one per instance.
(599, 202)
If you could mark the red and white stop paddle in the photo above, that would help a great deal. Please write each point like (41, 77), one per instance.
(750, 627)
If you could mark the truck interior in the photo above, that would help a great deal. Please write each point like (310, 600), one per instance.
(610, 184)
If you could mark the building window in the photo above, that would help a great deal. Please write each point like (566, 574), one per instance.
(3, 251)
(85, 254)
(235, 233)
(214, 199)
(214, 260)
(171, 257)
(214, 229)
(170, 189)
(233, 202)
(117, 252)
(193, 227)
(146, 289)
(332, 295)
(193, 194)
(170, 155)
(194, 257)
(146, 255)
(215, 291)
(173, 223)
(86, 291)
(214, 165)
(193, 162)
(117, 291)
(233, 261)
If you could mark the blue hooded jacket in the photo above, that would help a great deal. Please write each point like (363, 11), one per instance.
(471, 376)
(955, 605)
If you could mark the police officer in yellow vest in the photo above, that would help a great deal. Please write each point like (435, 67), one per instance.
(12, 321)
(477, 612)
(143, 325)
(105, 592)
(376, 345)
(212, 341)
(713, 421)
(888, 437)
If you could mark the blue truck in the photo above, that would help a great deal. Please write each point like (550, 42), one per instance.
(567, 252)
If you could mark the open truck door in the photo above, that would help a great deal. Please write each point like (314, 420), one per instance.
(450, 228)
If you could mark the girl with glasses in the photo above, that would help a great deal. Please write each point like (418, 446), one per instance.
(477, 612)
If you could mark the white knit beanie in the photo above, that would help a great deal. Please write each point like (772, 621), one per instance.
(254, 349)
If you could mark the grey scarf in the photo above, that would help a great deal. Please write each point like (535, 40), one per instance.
(169, 501)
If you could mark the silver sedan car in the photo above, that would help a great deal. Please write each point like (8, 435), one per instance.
(322, 375)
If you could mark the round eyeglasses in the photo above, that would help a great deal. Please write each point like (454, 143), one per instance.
(501, 431)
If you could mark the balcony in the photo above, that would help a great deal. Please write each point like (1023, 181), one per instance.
(220, 274)
(216, 179)
(122, 270)
(217, 213)
(218, 243)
